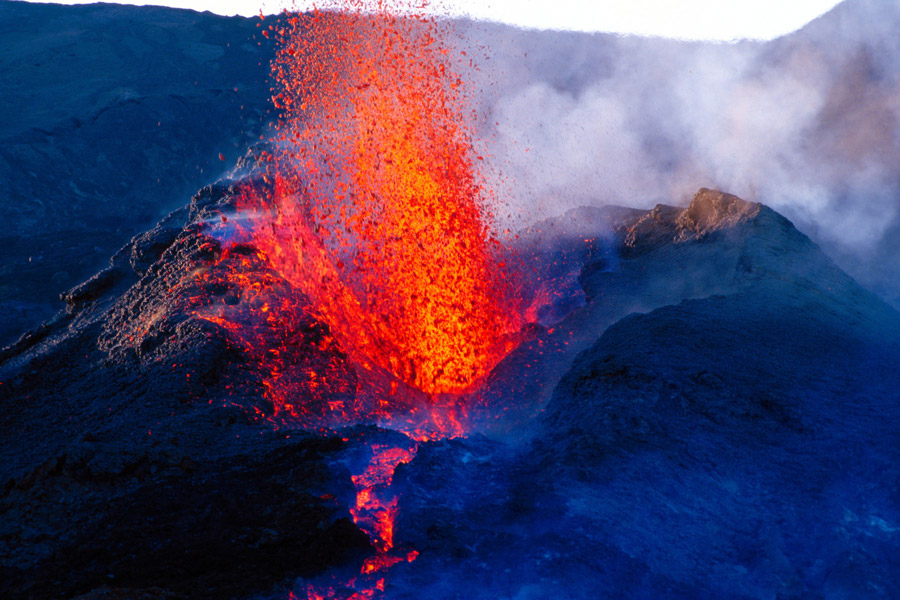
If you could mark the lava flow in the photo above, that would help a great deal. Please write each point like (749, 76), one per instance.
(374, 513)
(374, 211)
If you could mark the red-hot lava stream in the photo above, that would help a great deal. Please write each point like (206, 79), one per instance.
(374, 513)
(379, 215)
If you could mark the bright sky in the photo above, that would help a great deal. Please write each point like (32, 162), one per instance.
(689, 19)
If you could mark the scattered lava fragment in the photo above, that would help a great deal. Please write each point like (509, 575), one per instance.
(373, 222)
(380, 214)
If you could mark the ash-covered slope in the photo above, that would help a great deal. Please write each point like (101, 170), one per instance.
(739, 443)
(110, 116)
(714, 445)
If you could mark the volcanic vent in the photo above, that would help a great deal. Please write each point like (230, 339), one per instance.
(366, 213)
(246, 402)
(372, 204)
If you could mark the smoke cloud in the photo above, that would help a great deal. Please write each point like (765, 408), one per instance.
(807, 124)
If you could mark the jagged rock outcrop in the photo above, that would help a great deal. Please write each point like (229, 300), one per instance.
(136, 451)
(760, 408)
(754, 391)
(709, 212)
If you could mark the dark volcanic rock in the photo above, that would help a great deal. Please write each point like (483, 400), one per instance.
(739, 443)
(137, 452)
(109, 117)
(730, 437)
(777, 295)
(480, 512)
(219, 530)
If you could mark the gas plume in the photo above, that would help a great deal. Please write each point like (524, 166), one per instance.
(807, 124)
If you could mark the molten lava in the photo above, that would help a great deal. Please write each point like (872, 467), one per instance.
(380, 215)
(375, 513)
(369, 243)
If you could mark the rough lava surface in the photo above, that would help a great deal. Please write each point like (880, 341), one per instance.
(708, 410)
(704, 404)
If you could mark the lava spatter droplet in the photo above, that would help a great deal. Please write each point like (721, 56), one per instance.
(375, 211)
(381, 216)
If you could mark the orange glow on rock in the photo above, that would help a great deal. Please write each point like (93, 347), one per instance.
(381, 217)
(371, 287)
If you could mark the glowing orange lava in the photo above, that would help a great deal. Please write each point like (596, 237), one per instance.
(380, 214)
(374, 222)
(374, 513)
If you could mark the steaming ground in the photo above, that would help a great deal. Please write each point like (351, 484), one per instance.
(807, 124)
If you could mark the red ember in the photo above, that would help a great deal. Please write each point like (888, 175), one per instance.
(380, 217)
(380, 214)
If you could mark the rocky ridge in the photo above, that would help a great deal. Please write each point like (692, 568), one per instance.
(748, 341)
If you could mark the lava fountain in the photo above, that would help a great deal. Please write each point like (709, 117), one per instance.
(374, 209)
(379, 212)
